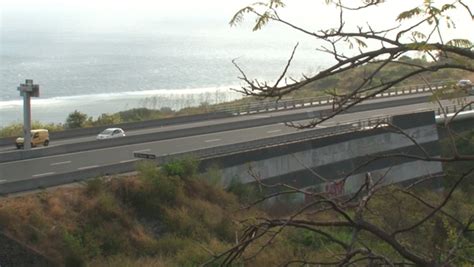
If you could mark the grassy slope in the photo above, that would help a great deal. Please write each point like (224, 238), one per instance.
(162, 217)
(174, 217)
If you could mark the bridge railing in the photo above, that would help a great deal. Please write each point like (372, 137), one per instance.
(69, 177)
(453, 108)
(283, 104)
(228, 110)
(340, 128)
(308, 134)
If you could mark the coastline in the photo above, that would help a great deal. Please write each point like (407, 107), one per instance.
(55, 110)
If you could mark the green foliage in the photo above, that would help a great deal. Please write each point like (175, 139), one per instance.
(157, 192)
(79, 119)
(107, 119)
(316, 241)
(464, 146)
(139, 114)
(129, 261)
(409, 14)
(7, 218)
(213, 176)
(245, 193)
(74, 249)
(464, 43)
(95, 186)
(76, 119)
(103, 231)
(184, 168)
(263, 18)
(106, 208)
(16, 129)
(344, 82)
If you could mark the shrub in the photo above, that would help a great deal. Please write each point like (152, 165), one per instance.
(127, 261)
(107, 119)
(16, 129)
(246, 193)
(8, 217)
(215, 194)
(181, 221)
(107, 206)
(157, 191)
(140, 114)
(213, 176)
(95, 186)
(184, 168)
(171, 244)
(74, 260)
(75, 254)
(76, 119)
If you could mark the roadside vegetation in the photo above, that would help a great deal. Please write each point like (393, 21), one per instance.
(176, 216)
(356, 75)
(162, 217)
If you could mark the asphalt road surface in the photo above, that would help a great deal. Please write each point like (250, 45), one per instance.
(309, 110)
(44, 166)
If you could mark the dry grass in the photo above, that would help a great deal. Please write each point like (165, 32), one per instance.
(98, 223)
(126, 222)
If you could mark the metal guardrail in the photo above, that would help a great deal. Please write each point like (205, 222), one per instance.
(75, 176)
(284, 104)
(453, 109)
(222, 111)
(63, 178)
(345, 127)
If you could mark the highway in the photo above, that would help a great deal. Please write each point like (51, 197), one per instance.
(210, 123)
(64, 163)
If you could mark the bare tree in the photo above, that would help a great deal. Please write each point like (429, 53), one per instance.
(362, 214)
(419, 30)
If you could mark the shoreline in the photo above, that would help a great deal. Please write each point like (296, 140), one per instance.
(56, 110)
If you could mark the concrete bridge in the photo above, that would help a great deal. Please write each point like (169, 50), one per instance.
(339, 163)
(80, 159)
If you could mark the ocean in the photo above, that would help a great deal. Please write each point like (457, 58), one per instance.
(105, 72)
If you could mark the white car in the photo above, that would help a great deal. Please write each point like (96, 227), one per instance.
(464, 84)
(110, 133)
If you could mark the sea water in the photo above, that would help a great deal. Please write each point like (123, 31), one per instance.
(105, 72)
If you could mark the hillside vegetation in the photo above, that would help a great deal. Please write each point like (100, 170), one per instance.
(173, 216)
(169, 216)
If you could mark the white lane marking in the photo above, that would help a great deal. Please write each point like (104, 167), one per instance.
(143, 150)
(128, 160)
(274, 131)
(212, 140)
(1, 181)
(88, 167)
(60, 163)
(42, 174)
(261, 116)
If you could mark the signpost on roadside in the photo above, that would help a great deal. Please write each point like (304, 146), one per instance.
(27, 90)
(144, 155)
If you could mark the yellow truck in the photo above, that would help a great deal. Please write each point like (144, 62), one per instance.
(38, 137)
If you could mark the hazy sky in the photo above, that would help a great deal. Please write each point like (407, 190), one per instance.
(148, 15)
(98, 15)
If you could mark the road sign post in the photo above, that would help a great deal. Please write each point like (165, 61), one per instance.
(144, 155)
(27, 90)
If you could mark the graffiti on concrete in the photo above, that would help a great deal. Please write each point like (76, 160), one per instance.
(335, 188)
